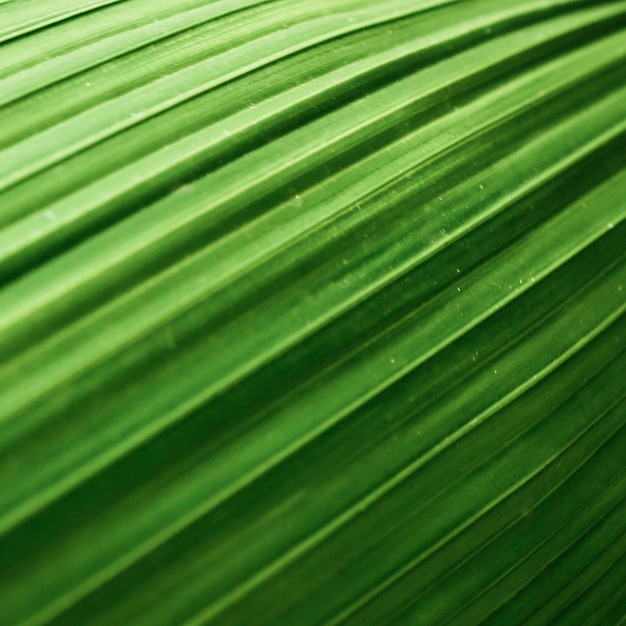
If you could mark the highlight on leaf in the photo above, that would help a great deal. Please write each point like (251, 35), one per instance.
(312, 313)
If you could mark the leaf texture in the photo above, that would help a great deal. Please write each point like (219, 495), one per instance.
(312, 312)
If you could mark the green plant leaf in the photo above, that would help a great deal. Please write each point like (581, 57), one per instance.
(312, 312)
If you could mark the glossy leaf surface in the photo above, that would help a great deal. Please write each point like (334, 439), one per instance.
(312, 312)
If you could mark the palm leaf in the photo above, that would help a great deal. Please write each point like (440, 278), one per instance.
(312, 313)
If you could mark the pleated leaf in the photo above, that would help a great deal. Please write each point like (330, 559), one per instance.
(312, 312)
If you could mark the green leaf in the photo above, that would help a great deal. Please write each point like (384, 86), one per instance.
(312, 312)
